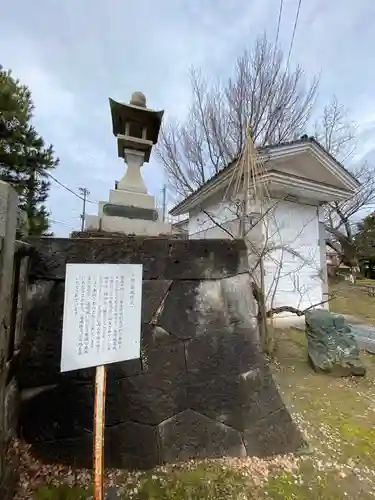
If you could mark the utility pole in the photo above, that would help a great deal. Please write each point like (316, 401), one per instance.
(85, 192)
(164, 200)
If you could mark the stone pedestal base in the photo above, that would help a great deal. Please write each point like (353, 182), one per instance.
(121, 197)
(128, 212)
(127, 226)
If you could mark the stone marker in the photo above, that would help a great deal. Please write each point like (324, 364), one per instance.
(332, 347)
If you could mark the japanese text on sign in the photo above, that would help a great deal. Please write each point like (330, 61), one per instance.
(102, 314)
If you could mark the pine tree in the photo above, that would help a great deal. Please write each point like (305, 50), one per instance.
(24, 158)
(365, 238)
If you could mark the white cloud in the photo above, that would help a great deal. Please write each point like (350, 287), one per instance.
(74, 57)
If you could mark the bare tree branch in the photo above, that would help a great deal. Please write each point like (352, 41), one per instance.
(294, 310)
(337, 133)
(276, 104)
(216, 223)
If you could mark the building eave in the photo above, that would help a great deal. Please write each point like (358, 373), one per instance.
(203, 193)
(314, 149)
(180, 222)
(267, 155)
(279, 179)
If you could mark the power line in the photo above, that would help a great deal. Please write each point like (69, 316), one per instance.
(278, 109)
(67, 188)
(294, 32)
(278, 28)
(63, 185)
(62, 223)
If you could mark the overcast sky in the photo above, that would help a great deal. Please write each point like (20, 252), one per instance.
(74, 54)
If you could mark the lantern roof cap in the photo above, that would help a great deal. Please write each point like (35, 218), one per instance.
(137, 112)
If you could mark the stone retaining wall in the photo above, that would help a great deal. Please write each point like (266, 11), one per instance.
(201, 388)
(13, 286)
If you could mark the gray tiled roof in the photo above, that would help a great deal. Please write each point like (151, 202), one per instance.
(264, 150)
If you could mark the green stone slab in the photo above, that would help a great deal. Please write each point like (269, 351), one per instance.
(130, 212)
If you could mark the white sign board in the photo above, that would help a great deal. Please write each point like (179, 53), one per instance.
(102, 314)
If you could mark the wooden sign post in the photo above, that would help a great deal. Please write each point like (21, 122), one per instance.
(99, 425)
(100, 299)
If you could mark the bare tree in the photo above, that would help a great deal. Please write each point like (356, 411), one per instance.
(263, 94)
(340, 216)
(277, 104)
(335, 130)
(337, 133)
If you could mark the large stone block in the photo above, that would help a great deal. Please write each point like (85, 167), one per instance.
(133, 445)
(125, 445)
(147, 399)
(162, 258)
(153, 293)
(179, 315)
(239, 303)
(191, 435)
(263, 398)
(40, 357)
(239, 402)
(124, 369)
(65, 411)
(76, 452)
(228, 379)
(275, 434)
(41, 346)
(162, 353)
(223, 350)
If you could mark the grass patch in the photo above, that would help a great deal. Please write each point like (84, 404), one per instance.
(305, 486)
(338, 417)
(202, 482)
(195, 481)
(352, 300)
(365, 281)
(359, 441)
(63, 492)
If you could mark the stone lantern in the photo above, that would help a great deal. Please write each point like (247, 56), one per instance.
(130, 209)
(137, 129)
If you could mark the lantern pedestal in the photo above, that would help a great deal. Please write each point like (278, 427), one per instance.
(128, 212)
(127, 226)
(129, 209)
(132, 179)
